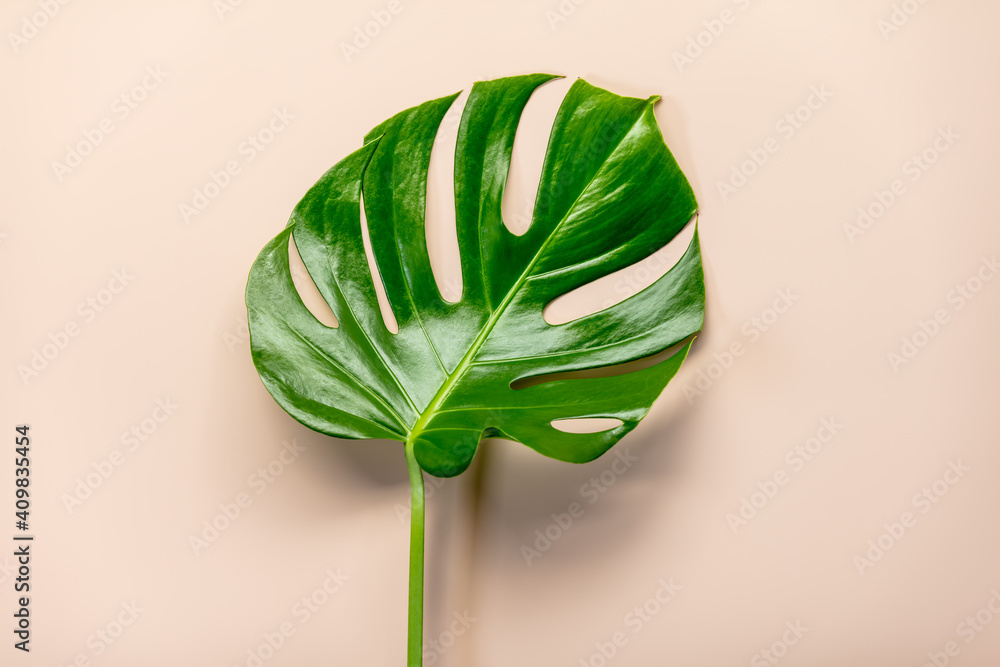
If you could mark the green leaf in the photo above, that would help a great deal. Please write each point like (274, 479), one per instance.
(610, 195)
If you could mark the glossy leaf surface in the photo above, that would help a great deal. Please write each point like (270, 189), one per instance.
(610, 194)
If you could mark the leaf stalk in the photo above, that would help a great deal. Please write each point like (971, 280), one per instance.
(415, 620)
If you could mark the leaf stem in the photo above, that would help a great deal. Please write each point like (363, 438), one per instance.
(415, 621)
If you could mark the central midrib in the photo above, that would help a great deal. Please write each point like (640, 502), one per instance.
(456, 375)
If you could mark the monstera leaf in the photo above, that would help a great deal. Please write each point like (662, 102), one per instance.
(610, 194)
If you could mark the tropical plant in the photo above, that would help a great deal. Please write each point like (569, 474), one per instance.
(610, 194)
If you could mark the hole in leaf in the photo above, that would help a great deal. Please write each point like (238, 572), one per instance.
(615, 287)
(308, 292)
(439, 225)
(600, 371)
(530, 142)
(586, 424)
(388, 317)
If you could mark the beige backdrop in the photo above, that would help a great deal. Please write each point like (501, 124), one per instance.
(818, 486)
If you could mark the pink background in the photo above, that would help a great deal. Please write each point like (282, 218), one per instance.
(175, 333)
